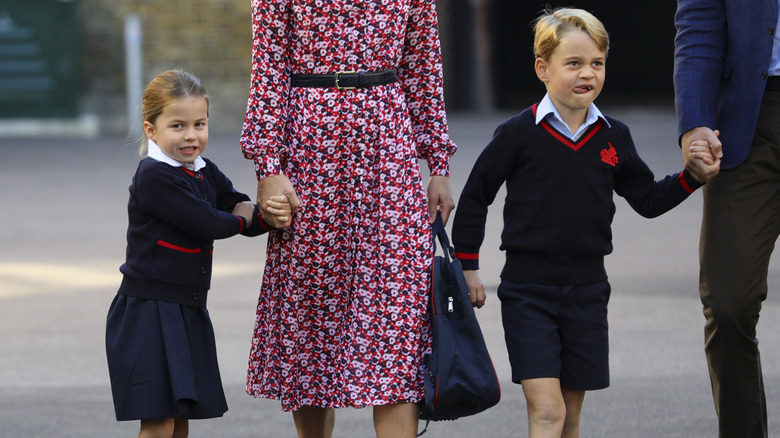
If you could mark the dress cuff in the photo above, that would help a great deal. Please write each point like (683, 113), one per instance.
(439, 166)
(267, 166)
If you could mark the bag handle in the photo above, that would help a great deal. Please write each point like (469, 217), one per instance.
(439, 232)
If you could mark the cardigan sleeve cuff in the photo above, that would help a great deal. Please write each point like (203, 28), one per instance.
(688, 182)
(242, 222)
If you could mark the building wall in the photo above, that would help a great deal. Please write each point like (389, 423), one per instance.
(210, 38)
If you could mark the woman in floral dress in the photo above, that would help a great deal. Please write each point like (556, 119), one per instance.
(341, 318)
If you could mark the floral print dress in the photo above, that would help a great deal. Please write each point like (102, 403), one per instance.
(341, 318)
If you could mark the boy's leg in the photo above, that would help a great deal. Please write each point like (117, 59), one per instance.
(546, 407)
(314, 422)
(573, 399)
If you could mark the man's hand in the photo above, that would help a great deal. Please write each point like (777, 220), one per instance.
(702, 151)
(702, 133)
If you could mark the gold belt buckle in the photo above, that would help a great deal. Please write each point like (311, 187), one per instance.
(339, 87)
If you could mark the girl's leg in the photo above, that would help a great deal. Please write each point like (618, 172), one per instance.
(396, 420)
(573, 400)
(546, 407)
(314, 422)
(157, 428)
(181, 428)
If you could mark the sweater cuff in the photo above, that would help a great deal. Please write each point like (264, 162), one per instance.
(243, 222)
(259, 220)
(468, 261)
(688, 182)
(263, 224)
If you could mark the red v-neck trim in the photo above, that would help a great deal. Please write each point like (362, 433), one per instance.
(575, 146)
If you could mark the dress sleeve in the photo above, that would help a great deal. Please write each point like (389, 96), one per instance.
(420, 73)
(265, 124)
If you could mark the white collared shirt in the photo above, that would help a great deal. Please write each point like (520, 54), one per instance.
(154, 152)
(547, 108)
(774, 63)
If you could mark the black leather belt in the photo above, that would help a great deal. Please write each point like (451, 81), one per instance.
(773, 83)
(345, 80)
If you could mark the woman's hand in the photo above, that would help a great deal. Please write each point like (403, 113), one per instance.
(440, 197)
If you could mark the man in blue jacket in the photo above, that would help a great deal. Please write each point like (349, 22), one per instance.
(727, 84)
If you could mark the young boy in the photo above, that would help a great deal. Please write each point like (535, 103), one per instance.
(561, 160)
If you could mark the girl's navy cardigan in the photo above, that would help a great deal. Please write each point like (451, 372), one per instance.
(174, 216)
(559, 208)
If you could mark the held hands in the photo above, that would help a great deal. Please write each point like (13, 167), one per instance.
(476, 289)
(279, 207)
(702, 151)
(274, 210)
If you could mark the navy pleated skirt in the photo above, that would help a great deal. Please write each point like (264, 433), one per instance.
(162, 360)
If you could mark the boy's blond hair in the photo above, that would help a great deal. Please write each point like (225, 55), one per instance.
(552, 25)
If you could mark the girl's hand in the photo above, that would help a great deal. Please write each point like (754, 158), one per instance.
(246, 210)
(280, 208)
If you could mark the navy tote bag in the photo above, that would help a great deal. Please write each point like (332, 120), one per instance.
(460, 379)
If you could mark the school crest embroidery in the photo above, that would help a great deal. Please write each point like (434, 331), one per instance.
(609, 155)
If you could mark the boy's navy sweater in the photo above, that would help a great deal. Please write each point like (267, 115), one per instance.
(174, 216)
(559, 208)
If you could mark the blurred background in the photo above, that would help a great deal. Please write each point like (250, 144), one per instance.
(73, 63)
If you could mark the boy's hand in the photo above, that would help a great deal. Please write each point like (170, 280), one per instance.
(476, 289)
(703, 164)
(246, 210)
(280, 208)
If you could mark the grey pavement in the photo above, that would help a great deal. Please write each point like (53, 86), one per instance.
(62, 225)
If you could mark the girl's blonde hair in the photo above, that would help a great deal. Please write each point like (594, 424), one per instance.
(165, 90)
(552, 26)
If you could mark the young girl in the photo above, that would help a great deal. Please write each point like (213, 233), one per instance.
(159, 340)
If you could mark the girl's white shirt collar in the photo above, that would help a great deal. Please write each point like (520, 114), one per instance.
(154, 152)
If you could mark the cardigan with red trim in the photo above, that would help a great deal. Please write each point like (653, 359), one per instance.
(559, 204)
(174, 216)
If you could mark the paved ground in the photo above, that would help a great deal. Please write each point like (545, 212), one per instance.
(62, 224)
